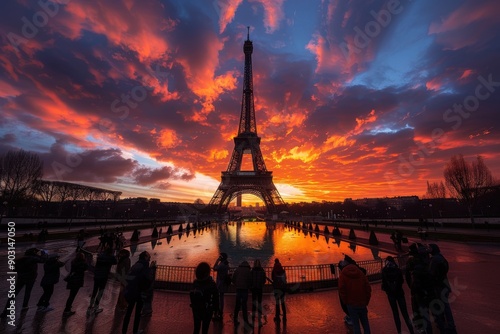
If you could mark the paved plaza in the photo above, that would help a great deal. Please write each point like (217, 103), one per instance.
(474, 272)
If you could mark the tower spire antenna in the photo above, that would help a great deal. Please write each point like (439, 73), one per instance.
(248, 33)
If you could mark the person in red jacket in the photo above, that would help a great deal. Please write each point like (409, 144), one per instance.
(355, 291)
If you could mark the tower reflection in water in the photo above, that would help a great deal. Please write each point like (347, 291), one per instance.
(251, 240)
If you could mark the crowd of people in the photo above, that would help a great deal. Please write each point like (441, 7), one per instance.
(207, 295)
(135, 281)
(425, 273)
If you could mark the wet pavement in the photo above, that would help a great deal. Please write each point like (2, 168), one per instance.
(474, 272)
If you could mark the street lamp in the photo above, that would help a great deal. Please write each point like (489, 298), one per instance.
(432, 215)
(72, 215)
(4, 211)
(107, 217)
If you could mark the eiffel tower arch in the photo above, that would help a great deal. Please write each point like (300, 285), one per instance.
(259, 181)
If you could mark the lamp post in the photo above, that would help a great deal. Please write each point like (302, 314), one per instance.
(390, 215)
(72, 215)
(432, 216)
(107, 217)
(4, 211)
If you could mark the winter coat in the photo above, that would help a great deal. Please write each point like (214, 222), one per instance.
(77, 274)
(354, 288)
(419, 278)
(242, 278)
(51, 272)
(258, 277)
(103, 266)
(278, 276)
(392, 280)
(138, 280)
(27, 267)
(438, 268)
(222, 270)
(208, 301)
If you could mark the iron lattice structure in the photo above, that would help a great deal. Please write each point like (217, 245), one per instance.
(258, 182)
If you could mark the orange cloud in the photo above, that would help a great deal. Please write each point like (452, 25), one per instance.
(335, 141)
(362, 122)
(226, 10)
(130, 25)
(209, 88)
(433, 84)
(466, 74)
(167, 138)
(7, 90)
(215, 155)
(273, 13)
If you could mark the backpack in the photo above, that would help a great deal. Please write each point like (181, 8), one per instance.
(202, 301)
(392, 280)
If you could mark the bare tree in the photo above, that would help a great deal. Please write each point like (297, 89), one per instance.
(435, 190)
(19, 173)
(467, 181)
(46, 190)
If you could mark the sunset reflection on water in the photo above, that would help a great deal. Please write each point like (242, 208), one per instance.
(251, 240)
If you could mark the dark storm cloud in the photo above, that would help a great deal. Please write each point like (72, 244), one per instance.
(100, 165)
(147, 176)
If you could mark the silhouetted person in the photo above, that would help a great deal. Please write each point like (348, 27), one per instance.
(27, 271)
(50, 278)
(419, 280)
(278, 276)
(147, 295)
(392, 284)
(355, 291)
(80, 240)
(101, 272)
(242, 280)
(342, 264)
(438, 268)
(138, 280)
(122, 269)
(258, 281)
(75, 281)
(221, 267)
(204, 298)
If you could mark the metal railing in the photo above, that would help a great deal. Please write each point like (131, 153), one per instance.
(302, 277)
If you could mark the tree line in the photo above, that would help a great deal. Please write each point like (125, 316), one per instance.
(469, 182)
(21, 181)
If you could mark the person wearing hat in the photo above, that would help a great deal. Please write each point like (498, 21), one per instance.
(392, 284)
(221, 267)
(50, 278)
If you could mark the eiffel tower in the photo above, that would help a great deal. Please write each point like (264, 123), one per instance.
(258, 182)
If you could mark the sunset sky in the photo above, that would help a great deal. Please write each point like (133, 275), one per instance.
(353, 98)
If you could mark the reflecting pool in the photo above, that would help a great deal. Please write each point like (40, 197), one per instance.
(252, 240)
